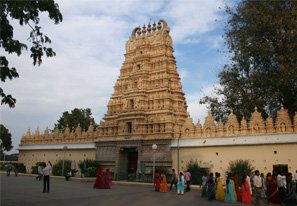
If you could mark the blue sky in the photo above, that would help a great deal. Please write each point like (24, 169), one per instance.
(90, 48)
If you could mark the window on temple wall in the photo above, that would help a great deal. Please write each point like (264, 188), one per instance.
(138, 66)
(135, 85)
(129, 127)
(131, 103)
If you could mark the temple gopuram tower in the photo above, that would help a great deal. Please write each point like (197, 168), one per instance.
(147, 107)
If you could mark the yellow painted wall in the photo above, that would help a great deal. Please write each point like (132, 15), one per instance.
(262, 156)
(30, 157)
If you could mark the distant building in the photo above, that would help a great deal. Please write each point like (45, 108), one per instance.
(148, 107)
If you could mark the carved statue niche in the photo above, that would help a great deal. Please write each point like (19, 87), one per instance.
(232, 126)
(209, 127)
(283, 122)
(256, 124)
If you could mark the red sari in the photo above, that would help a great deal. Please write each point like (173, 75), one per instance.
(157, 181)
(235, 180)
(107, 179)
(246, 193)
(274, 196)
(99, 184)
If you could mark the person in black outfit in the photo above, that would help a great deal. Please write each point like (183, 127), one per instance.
(46, 176)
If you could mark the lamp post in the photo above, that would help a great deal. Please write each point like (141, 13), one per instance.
(1, 148)
(178, 151)
(154, 147)
(64, 149)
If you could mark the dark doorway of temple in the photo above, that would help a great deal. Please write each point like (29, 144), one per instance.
(281, 169)
(127, 165)
(132, 161)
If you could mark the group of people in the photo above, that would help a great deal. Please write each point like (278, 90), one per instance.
(10, 167)
(178, 180)
(103, 179)
(274, 189)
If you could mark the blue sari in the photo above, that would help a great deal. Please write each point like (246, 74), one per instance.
(230, 192)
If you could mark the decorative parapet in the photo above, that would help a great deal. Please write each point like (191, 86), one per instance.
(256, 126)
(58, 137)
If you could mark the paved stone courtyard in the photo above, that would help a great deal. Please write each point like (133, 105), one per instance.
(25, 190)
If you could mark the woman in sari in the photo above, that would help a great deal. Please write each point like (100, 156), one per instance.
(220, 194)
(236, 186)
(211, 187)
(157, 182)
(164, 187)
(274, 196)
(99, 184)
(230, 195)
(290, 199)
(180, 183)
(246, 192)
(107, 177)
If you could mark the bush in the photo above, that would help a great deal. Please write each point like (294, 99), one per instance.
(22, 168)
(57, 168)
(239, 167)
(34, 169)
(87, 167)
(162, 170)
(196, 172)
(132, 176)
(91, 172)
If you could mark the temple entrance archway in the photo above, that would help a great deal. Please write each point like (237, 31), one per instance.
(128, 162)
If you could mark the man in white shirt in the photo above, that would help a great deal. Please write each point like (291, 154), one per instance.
(46, 176)
(257, 187)
(282, 184)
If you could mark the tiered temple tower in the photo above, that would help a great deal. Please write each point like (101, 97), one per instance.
(147, 107)
(148, 101)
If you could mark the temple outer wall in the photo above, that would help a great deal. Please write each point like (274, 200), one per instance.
(263, 154)
(31, 154)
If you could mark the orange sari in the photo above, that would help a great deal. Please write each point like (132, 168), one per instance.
(164, 187)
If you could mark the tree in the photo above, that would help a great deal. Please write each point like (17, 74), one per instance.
(239, 167)
(5, 137)
(262, 43)
(82, 117)
(27, 14)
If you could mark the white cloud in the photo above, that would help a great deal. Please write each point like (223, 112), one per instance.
(192, 18)
(90, 47)
(197, 111)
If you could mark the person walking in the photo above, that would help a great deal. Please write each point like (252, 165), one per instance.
(245, 191)
(211, 187)
(257, 187)
(46, 176)
(204, 185)
(180, 184)
(16, 169)
(39, 171)
(188, 178)
(164, 187)
(290, 198)
(173, 180)
(220, 194)
(8, 168)
(230, 195)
